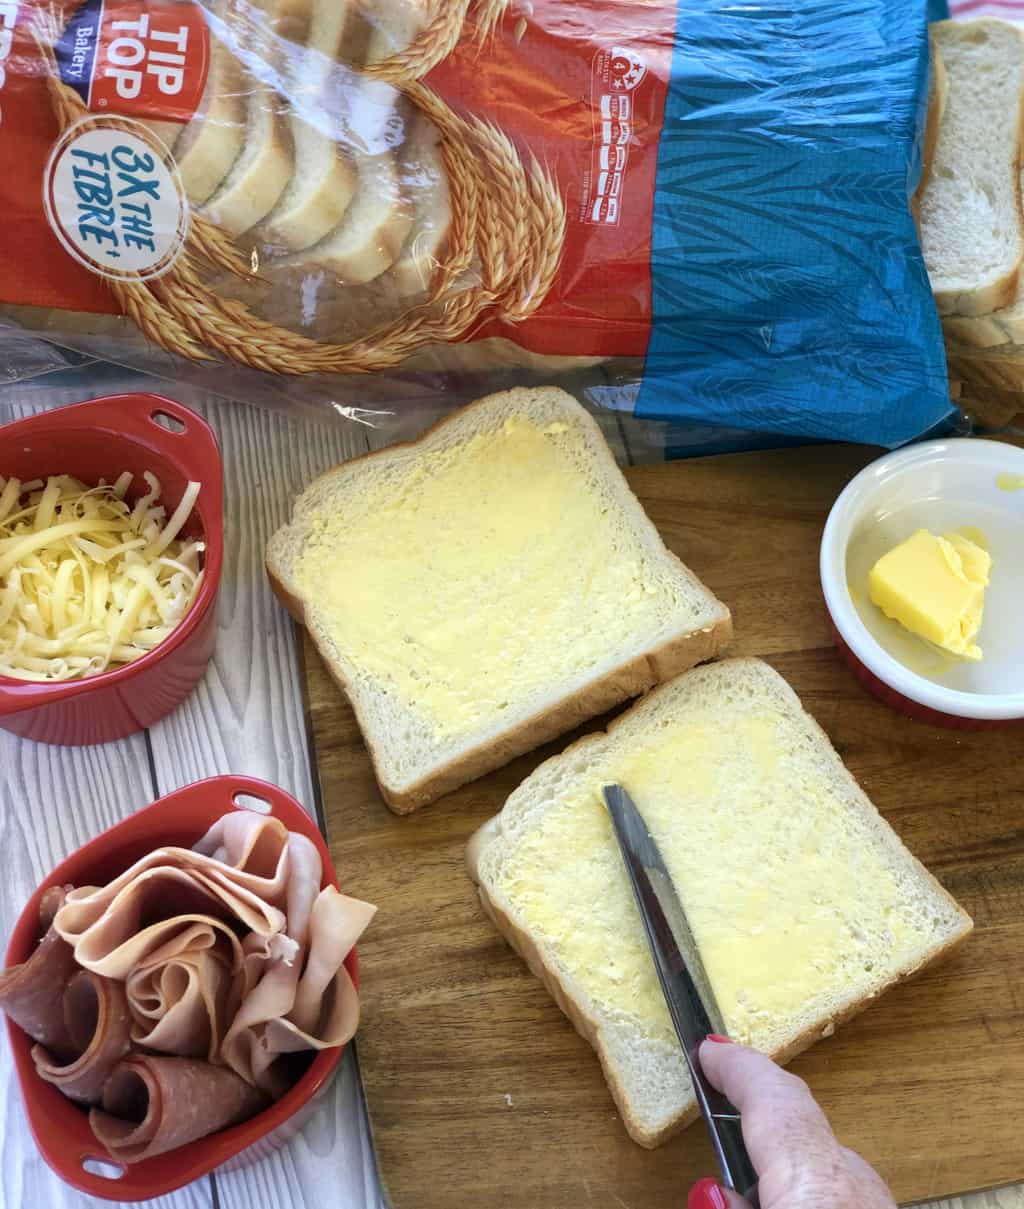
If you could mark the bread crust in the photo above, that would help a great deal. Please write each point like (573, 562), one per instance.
(619, 684)
(983, 375)
(589, 1028)
(938, 89)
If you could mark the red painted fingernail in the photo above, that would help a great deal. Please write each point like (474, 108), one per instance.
(706, 1194)
(721, 1041)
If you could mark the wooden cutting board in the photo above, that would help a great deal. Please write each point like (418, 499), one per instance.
(479, 1090)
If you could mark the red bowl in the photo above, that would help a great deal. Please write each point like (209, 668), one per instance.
(100, 439)
(60, 1128)
(904, 705)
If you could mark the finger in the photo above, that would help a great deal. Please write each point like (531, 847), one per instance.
(708, 1194)
(780, 1117)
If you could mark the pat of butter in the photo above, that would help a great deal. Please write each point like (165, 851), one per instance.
(935, 588)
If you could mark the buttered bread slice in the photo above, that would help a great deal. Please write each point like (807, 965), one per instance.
(803, 902)
(483, 589)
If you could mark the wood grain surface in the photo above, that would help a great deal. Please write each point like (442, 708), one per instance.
(247, 716)
(479, 1090)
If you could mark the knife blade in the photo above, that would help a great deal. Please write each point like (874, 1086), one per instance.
(688, 992)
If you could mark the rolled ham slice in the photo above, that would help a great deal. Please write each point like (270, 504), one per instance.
(307, 1005)
(179, 997)
(31, 993)
(116, 927)
(97, 1020)
(255, 846)
(154, 1104)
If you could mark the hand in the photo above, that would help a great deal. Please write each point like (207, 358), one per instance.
(799, 1163)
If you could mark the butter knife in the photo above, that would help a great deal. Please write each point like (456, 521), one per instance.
(684, 982)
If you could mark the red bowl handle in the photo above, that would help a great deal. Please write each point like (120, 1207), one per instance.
(189, 441)
(134, 416)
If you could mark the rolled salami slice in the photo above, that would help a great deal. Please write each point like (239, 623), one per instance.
(154, 1104)
(98, 1023)
(31, 993)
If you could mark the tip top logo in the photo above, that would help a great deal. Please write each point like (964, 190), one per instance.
(627, 69)
(140, 58)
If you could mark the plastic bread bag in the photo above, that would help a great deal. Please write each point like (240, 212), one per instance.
(694, 212)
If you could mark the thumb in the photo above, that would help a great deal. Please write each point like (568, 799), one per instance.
(796, 1156)
(781, 1119)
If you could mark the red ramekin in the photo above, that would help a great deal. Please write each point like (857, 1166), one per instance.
(101, 439)
(60, 1128)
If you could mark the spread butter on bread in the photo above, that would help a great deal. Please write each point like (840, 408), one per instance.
(486, 588)
(802, 900)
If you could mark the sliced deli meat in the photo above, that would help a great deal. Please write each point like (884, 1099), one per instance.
(32, 993)
(180, 995)
(169, 997)
(169, 888)
(98, 1021)
(153, 1104)
(256, 849)
(229, 951)
(308, 1003)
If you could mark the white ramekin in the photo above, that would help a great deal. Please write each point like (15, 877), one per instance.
(966, 478)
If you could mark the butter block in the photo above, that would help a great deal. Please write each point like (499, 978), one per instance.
(935, 588)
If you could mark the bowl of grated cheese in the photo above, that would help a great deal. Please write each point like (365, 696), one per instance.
(111, 547)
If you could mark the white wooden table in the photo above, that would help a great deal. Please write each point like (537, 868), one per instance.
(246, 717)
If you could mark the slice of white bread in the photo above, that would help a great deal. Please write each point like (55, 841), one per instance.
(373, 229)
(371, 232)
(981, 369)
(803, 902)
(972, 234)
(167, 132)
(938, 91)
(318, 194)
(425, 183)
(485, 588)
(396, 24)
(261, 172)
(324, 179)
(998, 330)
(292, 19)
(991, 407)
(207, 148)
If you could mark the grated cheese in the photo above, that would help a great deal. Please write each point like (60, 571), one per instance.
(87, 580)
